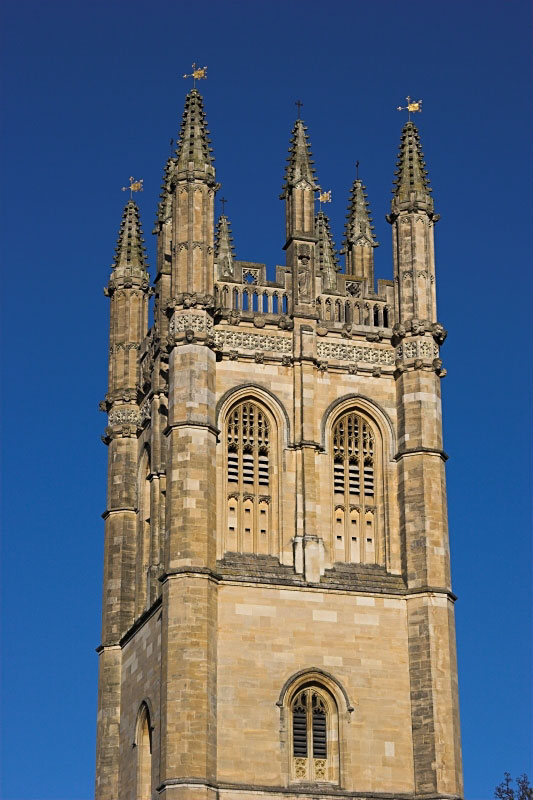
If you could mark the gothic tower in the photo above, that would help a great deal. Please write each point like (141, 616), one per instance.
(278, 619)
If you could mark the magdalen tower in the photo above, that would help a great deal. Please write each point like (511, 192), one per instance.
(278, 619)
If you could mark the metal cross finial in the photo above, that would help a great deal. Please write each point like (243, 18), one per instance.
(299, 105)
(197, 74)
(171, 146)
(411, 107)
(357, 170)
(223, 201)
(135, 186)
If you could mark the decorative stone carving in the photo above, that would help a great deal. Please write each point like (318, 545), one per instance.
(417, 349)
(119, 416)
(251, 276)
(259, 358)
(376, 372)
(259, 321)
(304, 274)
(252, 341)
(322, 366)
(352, 369)
(354, 288)
(285, 323)
(188, 300)
(233, 355)
(193, 322)
(345, 352)
(286, 361)
(439, 332)
(418, 363)
(234, 318)
(146, 411)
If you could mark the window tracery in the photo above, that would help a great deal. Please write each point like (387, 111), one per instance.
(249, 476)
(354, 490)
(313, 720)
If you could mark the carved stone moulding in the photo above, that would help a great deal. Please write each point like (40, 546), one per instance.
(355, 353)
(191, 300)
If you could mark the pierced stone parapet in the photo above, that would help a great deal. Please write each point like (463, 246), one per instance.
(355, 353)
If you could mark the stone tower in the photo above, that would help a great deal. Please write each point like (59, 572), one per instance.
(278, 620)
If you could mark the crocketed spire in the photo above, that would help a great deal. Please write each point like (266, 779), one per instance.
(224, 250)
(130, 252)
(299, 164)
(411, 185)
(328, 263)
(193, 143)
(164, 207)
(359, 229)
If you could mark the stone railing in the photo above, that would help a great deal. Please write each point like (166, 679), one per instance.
(252, 298)
(347, 310)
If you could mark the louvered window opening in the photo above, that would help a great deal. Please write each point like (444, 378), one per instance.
(309, 736)
(354, 535)
(249, 479)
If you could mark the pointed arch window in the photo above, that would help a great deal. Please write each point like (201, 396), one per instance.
(354, 490)
(251, 496)
(144, 754)
(313, 735)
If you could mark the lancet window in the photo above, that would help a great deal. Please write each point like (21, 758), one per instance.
(144, 755)
(354, 490)
(250, 446)
(313, 721)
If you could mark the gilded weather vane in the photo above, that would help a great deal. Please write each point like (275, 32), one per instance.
(197, 74)
(323, 197)
(135, 186)
(411, 107)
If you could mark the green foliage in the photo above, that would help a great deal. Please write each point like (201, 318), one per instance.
(506, 791)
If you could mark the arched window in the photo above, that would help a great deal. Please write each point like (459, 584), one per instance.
(354, 490)
(143, 741)
(251, 498)
(143, 533)
(314, 735)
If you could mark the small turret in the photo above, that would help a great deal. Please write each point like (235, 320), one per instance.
(327, 261)
(413, 220)
(299, 194)
(193, 191)
(129, 290)
(359, 237)
(224, 249)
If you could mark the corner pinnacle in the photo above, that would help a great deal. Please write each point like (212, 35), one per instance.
(411, 185)
(299, 167)
(130, 251)
(193, 143)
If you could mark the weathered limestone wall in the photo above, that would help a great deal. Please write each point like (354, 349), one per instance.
(268, 634)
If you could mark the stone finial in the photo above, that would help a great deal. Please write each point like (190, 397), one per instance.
(328, 264)
(130, 252)
(224, 249)
(359, 229)
(299, 167)
(193, 143)
(411, 185)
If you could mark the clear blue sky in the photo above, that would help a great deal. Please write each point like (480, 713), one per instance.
(92, 94)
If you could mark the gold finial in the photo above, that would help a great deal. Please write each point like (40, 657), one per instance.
(197, 74)
(323, 197)
(411, 107)
(135, 186)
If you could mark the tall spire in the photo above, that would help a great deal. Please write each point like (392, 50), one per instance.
(299, 164)
(224, 250)
(193, 144)
(130, 252)
(359, 237)
(327, 261)
(411, 185)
